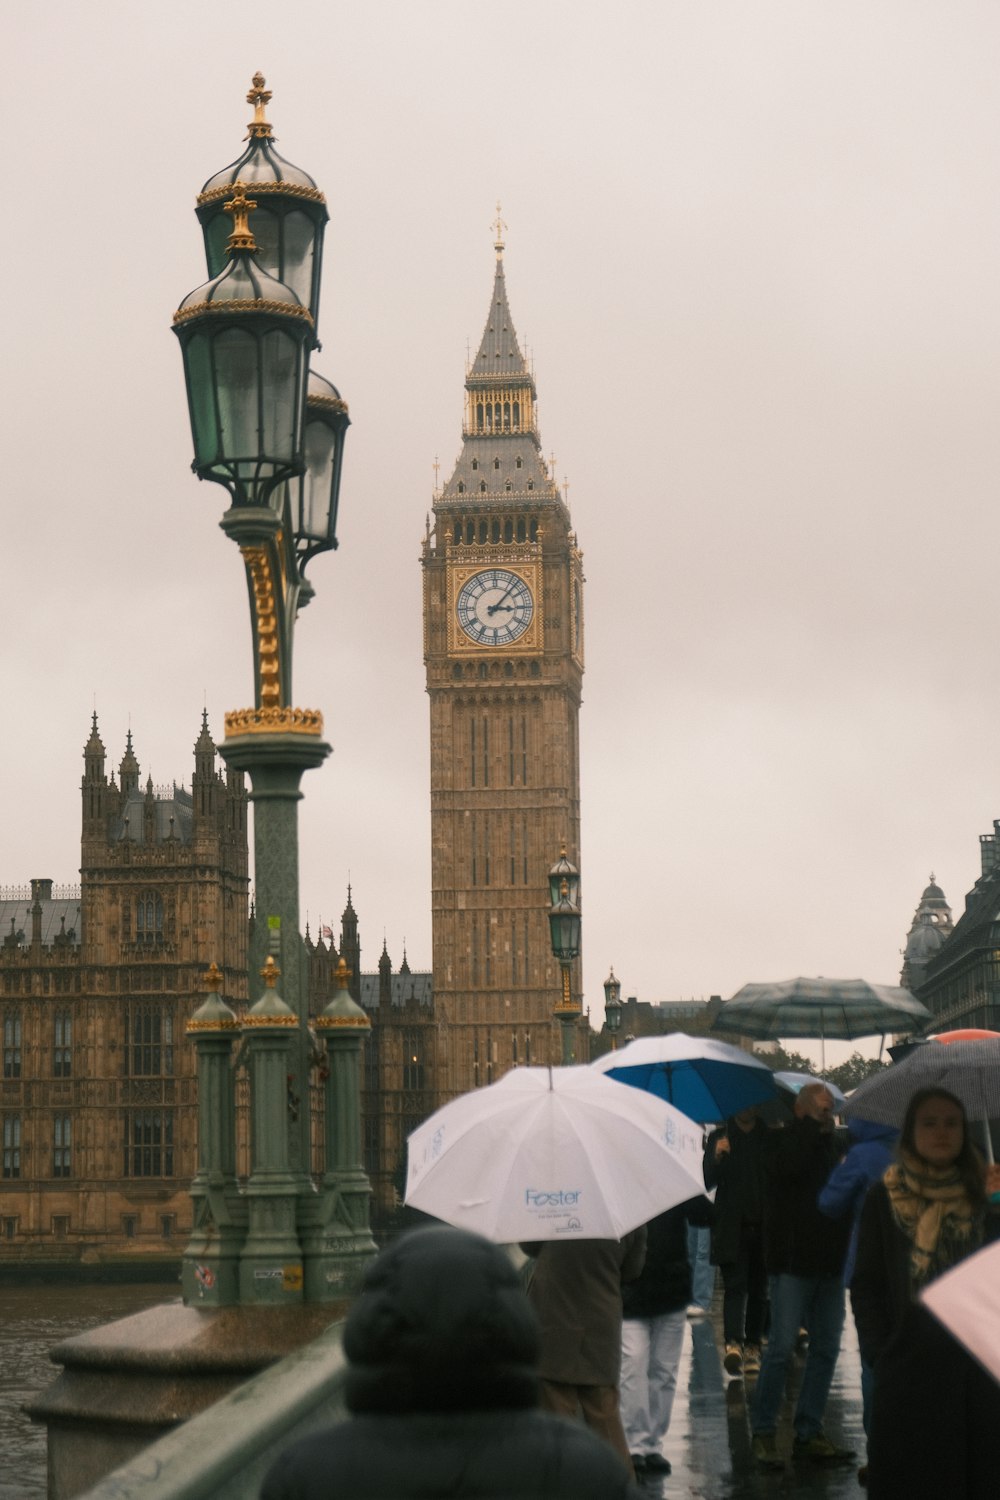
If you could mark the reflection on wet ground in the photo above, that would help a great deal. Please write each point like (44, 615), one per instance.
(708, 1444)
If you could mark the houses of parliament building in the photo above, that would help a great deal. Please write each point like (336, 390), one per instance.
(98, 1106)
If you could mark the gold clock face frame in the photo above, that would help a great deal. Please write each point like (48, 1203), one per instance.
(494, 607)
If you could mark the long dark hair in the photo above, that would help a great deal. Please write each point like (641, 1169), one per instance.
(968, 1163)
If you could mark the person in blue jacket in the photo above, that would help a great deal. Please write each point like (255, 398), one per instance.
(871, 1152)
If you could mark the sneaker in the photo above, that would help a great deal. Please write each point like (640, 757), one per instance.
(819, 1450)
(764, 1451)
(733, 1359)
(751, 1359)
(656, 1464)
(694, 1311)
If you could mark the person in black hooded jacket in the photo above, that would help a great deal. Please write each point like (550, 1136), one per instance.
(442, 1387)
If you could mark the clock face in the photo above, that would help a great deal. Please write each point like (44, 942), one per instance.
(494, 607)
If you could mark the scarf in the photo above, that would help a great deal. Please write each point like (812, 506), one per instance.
(934, 1212)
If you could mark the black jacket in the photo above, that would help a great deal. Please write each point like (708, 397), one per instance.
(442, 1349)
(798, 1239)
(738, 1178)
(664, 1283)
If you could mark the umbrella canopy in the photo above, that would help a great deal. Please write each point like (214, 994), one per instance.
(553, 1153)
(794, 1083)
(704, 1078)
(969, 1070)
(967, 1301)
(839, 1008)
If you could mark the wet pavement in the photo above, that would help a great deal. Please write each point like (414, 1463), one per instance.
(708, 1444)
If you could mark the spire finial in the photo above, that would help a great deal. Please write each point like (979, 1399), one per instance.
(212, 978)
(270, 972)
(240, 207)
(259, 96)
(498, 226)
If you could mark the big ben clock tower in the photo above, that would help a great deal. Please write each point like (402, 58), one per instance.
(503, 646)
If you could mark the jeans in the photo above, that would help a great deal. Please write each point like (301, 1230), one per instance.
(702, 1271)
(816, 1302)
(651, 1353)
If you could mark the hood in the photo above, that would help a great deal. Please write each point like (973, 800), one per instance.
(441, 1324)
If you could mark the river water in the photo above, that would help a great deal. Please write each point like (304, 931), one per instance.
(32, 1320)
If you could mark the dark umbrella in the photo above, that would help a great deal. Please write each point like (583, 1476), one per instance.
(969, 1070)
(821, 1008)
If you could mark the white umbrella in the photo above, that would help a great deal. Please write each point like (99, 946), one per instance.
(967, 1301)
(553, 1153)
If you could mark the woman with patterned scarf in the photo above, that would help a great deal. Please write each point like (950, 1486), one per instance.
(935, 1412)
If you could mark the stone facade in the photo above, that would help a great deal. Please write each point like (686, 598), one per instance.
(98, 1112)
(503, 648)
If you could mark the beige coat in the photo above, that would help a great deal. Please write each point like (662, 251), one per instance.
(576, 1291)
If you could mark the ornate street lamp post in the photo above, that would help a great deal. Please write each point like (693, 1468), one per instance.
(613, 1007)
(564, 929)
(272, 431)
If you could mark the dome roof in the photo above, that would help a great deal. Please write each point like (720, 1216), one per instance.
(260, 165)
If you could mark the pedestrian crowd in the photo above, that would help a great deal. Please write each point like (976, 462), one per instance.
(459, 1384)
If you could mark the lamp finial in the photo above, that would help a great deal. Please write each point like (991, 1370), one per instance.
(240, 206)
(259, 97)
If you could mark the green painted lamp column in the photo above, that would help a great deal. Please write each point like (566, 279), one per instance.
(344, 1240)
(210, 1269)
(271, 1262)
(564, 928)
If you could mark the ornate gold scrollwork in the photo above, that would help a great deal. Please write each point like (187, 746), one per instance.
(258, 563)
(241, 305)
(273, 721)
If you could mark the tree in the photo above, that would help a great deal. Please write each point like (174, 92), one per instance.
(854, 1071)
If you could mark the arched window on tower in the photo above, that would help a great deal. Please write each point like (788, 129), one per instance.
(506, 416)
(522, 530)
(482, 486)
(534, 527)
(482, 528)
(149, 919)
(479, 419)
(461, 486)
(516, 416)
(508, 530)
(495, 531)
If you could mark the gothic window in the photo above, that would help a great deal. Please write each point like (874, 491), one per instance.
(475, 464)
(479, 418)
(461, 491)
(516, 416)
(62, 1050)
(12, 1145)
(62, 1141)
(149, 1040)
(508, 485)
(497, 413)
(12, 1044)
(517, 463)
(470, 532)
(506, 416)
(149, 919)
(489, 416)
(482, 491)
(413, 1060)
(496, 463)
(522, 530)
(534, 527)
(495, 528)
(531, 484)
(508, 530)
(149, 1143)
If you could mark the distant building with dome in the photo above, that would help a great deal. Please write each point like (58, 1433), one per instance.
(956, 972)
(929, 930)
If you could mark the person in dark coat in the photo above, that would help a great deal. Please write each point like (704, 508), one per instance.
(805, 1253)
(935, 1415)
(442, 1385)
(734, 1167)
(868, 1156)
(576, 1290)
(654, 1316)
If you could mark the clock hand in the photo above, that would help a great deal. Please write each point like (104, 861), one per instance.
(491, 609)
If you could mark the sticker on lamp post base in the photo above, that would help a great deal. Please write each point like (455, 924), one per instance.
(289, 1276)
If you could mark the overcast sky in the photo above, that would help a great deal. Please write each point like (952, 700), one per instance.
(753, 249)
